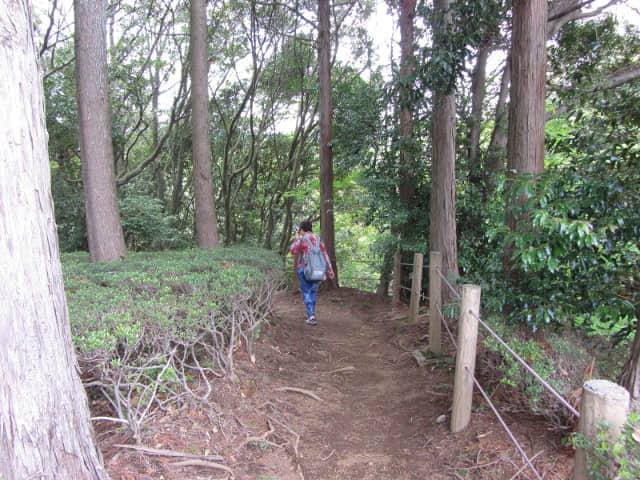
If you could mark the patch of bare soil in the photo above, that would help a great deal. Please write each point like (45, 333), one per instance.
(343, 400)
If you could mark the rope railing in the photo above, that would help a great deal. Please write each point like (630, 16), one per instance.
(448, 284)
(489, 402)
(612, 400)
(488, 399)
(525, 365)
(502, 422)
(446, 326)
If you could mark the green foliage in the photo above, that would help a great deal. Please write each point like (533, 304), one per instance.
(146, 225)
(471, 22)
(606, 460)
(144, 326)
(575, 251)
(578, 252)
(585, 52)
(560, 359)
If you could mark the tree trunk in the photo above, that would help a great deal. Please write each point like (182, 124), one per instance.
(525, 145)
(443, 237)
(104, 229)
(45, 431)
(406, 187)
(478, 78)
(630, 377)
(326, 155)
(205, 209)
(158, 170)
(498, 145)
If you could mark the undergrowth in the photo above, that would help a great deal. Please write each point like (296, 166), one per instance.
(563, 359)
(617, 458)
(155, 328)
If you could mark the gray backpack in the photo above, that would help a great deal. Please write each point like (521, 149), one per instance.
(316, 264)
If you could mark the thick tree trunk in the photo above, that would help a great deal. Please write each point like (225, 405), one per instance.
(443, 236)
(525, 145)
(406, 187)
(104, 229)
(205, 209)
(45, 431)
(327, 223)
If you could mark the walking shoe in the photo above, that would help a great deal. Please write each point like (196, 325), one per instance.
(311, 321)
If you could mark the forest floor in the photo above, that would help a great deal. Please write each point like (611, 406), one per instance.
(343, 400)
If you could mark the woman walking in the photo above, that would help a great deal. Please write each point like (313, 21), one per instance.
(302, 246)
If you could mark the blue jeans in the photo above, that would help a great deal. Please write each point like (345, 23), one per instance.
(309, 293)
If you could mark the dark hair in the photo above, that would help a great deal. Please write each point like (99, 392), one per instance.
(306, 226)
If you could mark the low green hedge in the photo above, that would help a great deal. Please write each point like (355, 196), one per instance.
(150, 326)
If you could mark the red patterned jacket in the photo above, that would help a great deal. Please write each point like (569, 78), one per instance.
(301, 248)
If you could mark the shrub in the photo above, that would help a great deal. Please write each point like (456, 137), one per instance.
(145, 224)
(156, 327)
(561, 359)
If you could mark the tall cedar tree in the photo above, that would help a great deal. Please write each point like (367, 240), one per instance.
(104, 229)
(205, 214)
(525, 143)
(407, 69)
(45, 428)
(326, 155)
(443, 237)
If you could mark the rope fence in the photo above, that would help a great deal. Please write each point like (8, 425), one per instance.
(502, 422)
(525, 365)
(603, 402)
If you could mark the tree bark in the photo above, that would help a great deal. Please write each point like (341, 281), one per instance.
(406, 188)
(104, 229)
(525, 145)
(443, 236)
(205, 209)
(498, 143)
(45, 430)
(478, 79)
(630, 377)
(327, 223)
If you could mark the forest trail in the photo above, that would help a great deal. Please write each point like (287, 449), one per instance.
(343, 400)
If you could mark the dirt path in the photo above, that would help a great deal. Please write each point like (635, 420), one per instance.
(377, 407)
(343, 400)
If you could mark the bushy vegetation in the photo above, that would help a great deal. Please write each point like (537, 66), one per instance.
(563, 361)
(619, 459)
(155, 328)
(570, 275)
(571, 270)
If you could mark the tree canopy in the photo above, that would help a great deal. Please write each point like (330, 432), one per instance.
(574, 262)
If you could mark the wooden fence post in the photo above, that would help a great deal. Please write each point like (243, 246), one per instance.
(397, 276)
(435, 303)
(603, 402)
(465, 357)
(416, 287)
